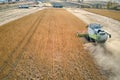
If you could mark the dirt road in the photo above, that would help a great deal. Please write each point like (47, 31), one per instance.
(107, 55)
(109, 13)
(44, 46)
(13, 14)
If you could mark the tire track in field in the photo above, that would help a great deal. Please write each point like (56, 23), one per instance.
(9, 64)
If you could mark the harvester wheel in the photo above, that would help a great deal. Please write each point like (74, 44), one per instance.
(87, 37)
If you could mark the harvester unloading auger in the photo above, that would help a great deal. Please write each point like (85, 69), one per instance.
(95, 33)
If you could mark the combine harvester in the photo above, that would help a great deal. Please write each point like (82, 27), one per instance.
(95, 34)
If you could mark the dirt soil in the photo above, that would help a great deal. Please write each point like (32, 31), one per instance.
(109, 13)
(13, 14)
(44, 46)
(106, 55)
